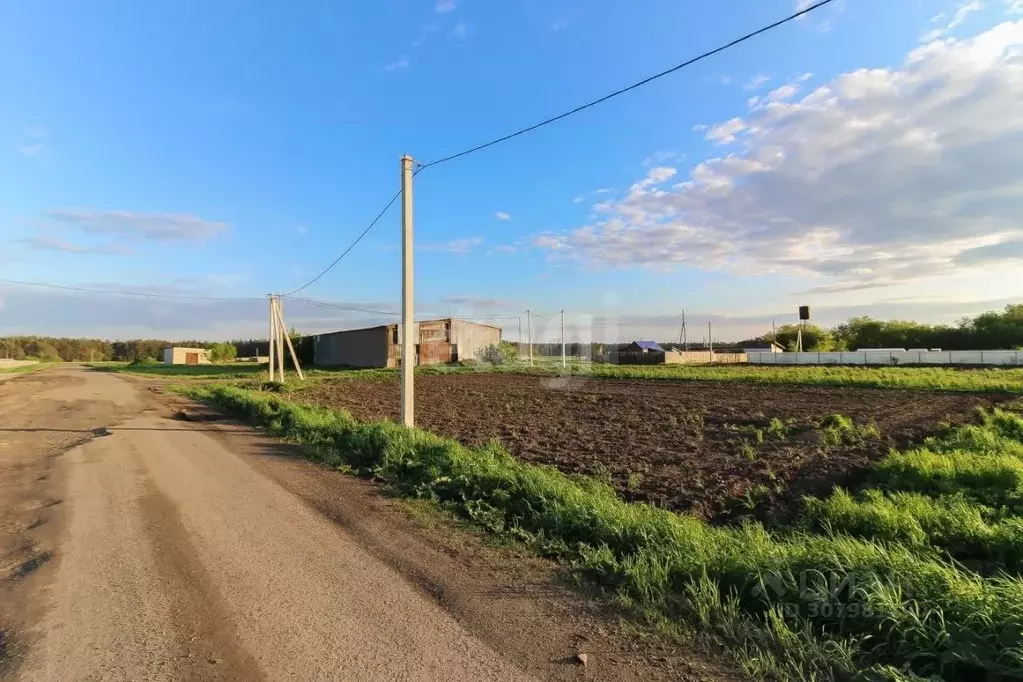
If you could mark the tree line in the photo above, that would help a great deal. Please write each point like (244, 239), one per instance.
(989, 331)
(56, 349)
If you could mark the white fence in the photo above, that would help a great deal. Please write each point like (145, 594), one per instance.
(891, 358)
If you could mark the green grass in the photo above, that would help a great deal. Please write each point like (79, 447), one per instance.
(798, 605)
(931, 378)
(22, 369)
(960, 493)
(916, 378)
(228, 371)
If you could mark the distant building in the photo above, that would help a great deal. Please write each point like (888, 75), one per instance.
(178, 355)
(641, 353)
(762, 347)
(437, 342)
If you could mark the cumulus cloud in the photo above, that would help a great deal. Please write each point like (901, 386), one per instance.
(398, 65)
(501, 215)
(166, 227)
(757, 81)
(724, 133)
(879, 176)
(445, 6)
(964, 10)
(45, 243)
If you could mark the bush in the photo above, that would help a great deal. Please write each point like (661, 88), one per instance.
(501, 354)
(222, 352)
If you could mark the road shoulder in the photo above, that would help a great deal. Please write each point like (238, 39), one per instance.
(516, 603)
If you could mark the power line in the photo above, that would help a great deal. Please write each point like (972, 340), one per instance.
(350, 247)
(337, 306)
(616, 93)
(119, 292)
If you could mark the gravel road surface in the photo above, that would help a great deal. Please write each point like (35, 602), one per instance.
(138, 546)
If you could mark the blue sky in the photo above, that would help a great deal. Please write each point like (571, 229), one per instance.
(235, 148)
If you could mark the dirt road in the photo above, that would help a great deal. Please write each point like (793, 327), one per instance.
(141, 547)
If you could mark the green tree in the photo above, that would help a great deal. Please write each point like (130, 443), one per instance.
(222, 352)
(814, 338)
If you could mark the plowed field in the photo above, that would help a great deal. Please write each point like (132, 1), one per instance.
(687, 445)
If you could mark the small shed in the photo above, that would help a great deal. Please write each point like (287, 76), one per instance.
(762, 347)
(178, 355)
(641, 353)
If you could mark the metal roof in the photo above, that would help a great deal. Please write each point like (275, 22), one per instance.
(649, 345)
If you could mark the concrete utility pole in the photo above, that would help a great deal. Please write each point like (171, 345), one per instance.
(520, 337)
(408, 346)
(529, 331)
(710, 341)
(273, 328)
(564, 364)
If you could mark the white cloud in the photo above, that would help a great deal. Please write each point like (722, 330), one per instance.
(45, 243)
(654, 176)
(1014, 6)
(501, 215)
(964, 10)
(398, 65)
(578, 200)
(461, 29)
(725, 132)
(803, 77)
(559, 24)
(444, 6)
(756, 82)
(783, 93)
(460, 246)
(880, 176)
(167, 227)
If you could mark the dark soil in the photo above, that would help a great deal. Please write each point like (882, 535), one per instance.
(689, 446)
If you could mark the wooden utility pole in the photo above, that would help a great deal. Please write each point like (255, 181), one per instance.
(564, 364)
(281, 331)
(272, 342)
(287, 339)
(408, 346)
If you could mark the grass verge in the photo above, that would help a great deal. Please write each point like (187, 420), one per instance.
(230, 371)
(802, 605)
(960, 493)
(23, 369)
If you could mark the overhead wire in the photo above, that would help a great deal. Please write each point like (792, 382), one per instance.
(122, 292)
(504, 138)
(792, 17)
(350, 246)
